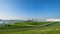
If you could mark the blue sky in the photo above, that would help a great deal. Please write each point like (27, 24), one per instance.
(19, 9)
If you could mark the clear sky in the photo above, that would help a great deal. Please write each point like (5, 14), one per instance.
(19, 9)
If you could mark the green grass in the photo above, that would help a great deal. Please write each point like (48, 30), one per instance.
(49, 28)
(44, 30)
(36, 23)
(23, 25)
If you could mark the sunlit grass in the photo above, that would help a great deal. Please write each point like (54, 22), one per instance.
(51, 28)
(44, 30)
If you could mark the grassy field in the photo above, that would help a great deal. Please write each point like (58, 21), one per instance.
(23, 25)
(49, 28)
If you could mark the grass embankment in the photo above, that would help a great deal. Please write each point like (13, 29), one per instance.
(49, 28)
(22, 25)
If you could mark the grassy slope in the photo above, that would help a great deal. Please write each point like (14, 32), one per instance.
(23, 25)
(45, 30)
(50, 29)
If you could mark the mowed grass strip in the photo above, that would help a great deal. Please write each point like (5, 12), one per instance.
(23, 25)
(45, 30)
(52, 28)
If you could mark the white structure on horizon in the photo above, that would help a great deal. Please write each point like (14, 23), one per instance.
(53, 20)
